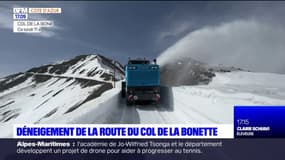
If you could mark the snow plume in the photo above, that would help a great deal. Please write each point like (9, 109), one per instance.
(246, 44)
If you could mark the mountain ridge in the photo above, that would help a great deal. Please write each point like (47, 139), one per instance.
(58, 88)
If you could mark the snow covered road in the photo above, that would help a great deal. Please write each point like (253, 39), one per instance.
(198, 104)
(202, 104)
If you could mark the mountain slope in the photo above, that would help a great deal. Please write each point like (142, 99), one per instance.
(57, 89)
(84, 66)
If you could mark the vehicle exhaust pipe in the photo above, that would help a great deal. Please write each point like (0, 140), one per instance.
(154, 61)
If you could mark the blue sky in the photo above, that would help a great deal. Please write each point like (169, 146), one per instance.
(117, 29)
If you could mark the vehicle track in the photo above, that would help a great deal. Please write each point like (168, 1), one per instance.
(146, 113)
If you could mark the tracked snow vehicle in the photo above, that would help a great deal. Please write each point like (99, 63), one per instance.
(142, 81)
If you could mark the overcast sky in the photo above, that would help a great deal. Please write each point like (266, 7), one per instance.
(147, 29)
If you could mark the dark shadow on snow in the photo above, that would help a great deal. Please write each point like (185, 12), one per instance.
(165, 104)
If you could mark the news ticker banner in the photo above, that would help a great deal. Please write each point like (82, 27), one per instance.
(121, 131)
(249, 122)
(259, 121)
(23, 23)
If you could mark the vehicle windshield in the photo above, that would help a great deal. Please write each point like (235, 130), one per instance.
(139, 62)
